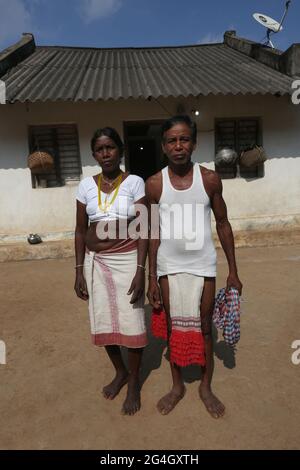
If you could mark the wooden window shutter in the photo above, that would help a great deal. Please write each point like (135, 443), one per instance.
(238, 134)
(61, 141)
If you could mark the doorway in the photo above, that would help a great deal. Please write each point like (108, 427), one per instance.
(144, 156)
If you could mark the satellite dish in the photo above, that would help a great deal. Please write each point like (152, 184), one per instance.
(272, 25)
(268, 22)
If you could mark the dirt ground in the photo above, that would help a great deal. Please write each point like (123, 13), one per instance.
(50, 387)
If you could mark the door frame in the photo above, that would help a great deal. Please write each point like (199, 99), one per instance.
(126, 125)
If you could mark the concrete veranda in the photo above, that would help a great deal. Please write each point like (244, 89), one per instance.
(50, 392)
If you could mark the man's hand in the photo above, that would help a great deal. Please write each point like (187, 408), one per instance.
(137, 286)
(153, 293)
(233, 281)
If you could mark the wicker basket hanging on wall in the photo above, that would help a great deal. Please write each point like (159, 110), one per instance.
(253, 157)
(40, 162)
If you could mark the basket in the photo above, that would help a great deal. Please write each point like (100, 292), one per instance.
(253, 157)
(40, 162)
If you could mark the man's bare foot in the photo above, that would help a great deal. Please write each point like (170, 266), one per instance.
(169, 401)
(211, 402)
(111, 390)
(132, 403)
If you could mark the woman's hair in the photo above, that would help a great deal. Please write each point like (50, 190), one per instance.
(181, 119)
(112, 134)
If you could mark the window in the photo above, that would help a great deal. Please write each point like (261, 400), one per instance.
(238, 134)
(61, 141)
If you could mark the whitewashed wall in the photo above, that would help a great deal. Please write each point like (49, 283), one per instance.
(252, 204)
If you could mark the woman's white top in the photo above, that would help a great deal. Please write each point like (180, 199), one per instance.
(186, 243)
(131, 190)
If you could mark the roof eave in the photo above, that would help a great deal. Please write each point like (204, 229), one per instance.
(13, 55)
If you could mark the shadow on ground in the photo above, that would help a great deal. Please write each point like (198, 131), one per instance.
(157, 348)
(221, 350)
(153, 352)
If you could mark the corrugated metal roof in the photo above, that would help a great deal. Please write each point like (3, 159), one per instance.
(74, 74)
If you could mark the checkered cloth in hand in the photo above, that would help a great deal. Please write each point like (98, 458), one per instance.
(226, 314)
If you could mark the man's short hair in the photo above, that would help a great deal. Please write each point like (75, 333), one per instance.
(180, 119)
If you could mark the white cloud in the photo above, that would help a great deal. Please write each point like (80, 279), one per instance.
(91, 10)
(211, 38)
(14, 20)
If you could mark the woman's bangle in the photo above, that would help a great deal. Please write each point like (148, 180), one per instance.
(78, 266)
(141, 266)
(152, 275)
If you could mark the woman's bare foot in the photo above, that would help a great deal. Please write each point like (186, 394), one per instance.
(132, 403)
(211, 402)
(169, 401)
(111, 390)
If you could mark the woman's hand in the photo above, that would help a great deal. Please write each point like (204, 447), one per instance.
(153, 293)
(137, 287)
(80, 287)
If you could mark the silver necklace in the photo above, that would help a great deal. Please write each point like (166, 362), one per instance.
(110, 183)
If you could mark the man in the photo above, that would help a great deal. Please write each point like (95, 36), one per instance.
(182, 268)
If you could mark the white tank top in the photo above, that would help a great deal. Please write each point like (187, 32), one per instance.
(186, 244)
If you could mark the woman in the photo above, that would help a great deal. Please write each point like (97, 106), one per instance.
(110, 266)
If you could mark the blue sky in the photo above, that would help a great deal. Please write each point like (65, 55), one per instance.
(122, 23)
